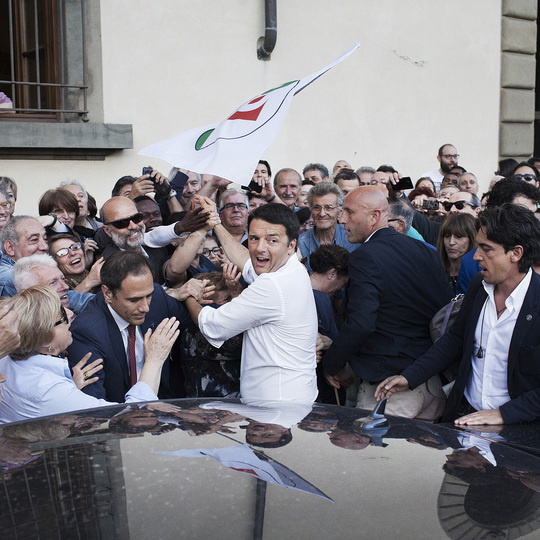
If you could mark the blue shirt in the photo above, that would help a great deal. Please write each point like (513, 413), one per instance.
(307, 243)
(77, 300)
(42, 385)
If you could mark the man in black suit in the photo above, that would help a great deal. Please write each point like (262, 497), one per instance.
(129, 302)
(496, 335)
(396, 286)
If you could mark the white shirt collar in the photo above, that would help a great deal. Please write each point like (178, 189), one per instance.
(120, 322)
(517, 296)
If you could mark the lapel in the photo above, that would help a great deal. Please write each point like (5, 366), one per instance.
(115, 338)
(474, 317)
(526, 317)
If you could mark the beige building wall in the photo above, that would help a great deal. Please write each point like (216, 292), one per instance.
(427, 72)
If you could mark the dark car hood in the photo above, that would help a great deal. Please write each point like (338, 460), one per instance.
(222, 469)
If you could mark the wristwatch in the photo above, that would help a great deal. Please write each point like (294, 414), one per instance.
(172, 194)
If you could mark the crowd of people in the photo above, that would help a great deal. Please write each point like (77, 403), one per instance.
(302, 287)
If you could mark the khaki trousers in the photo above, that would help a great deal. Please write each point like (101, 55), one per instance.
(425, 402)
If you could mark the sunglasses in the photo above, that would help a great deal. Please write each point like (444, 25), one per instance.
(64, 251)
(6, 205)
(64, 318)
(458, 204)
(526, 177)
(124, 223)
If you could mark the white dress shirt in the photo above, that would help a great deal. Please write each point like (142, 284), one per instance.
(487, 387)
(278, 317)
(42, 385)
(139, 341)
(160, 236)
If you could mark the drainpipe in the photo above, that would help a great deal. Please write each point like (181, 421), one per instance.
(266, 44)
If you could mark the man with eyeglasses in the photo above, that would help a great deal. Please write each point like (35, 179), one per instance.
(6, 207)
(233, 212)
(463, 202)
(123, 224)
(447, 157)
(21, 237)
(325, 200)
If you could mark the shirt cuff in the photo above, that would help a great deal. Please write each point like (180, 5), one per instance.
(160, 236)
(140, 392)
(205, 326)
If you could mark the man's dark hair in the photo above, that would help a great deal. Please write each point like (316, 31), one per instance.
(511, 225)
(308, 183)
(316, 167)
(284, 439)
(143, 198)
(124, 181)
(346, 175)
(399, 209)
(507, 166)
(528, 165)
(303, 214)
(507, 189)
(120, 265)
(267, 165)
(328, 256)
(277, 214)
(387, 169)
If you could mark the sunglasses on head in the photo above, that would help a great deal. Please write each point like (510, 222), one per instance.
(458, 204)
(124, 223)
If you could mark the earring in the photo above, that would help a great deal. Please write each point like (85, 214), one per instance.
(50, 349)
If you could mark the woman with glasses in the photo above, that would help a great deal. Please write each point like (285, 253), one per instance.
(63, 205)
(456, 237)
(38, 381)
(6, 209)
(67, 251)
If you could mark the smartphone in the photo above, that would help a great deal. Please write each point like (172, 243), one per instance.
(430, 204)
(253, 186)
(161, 189)
(404, 183)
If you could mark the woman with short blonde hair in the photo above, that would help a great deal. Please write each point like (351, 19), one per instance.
(38, 381)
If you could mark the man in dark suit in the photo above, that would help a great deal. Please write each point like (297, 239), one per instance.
(496, 335)
(396, 286)
(129, 302)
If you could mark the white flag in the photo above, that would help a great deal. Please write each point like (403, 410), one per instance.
(233, 148)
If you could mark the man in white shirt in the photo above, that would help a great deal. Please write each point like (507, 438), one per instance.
(448, 158)
(276, 312)
(496, 336)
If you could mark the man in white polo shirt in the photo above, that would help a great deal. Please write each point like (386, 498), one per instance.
(276, 312)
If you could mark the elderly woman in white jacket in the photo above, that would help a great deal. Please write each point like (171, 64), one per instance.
(38, 380)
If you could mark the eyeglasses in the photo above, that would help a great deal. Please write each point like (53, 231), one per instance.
(232, 205)
(526, 177)
(317, 209)
(213, 251)
(64, 318)
(394, 219)
(124, 223)
(458, 204)
(6, 205)
(64, 251)
(450, 156)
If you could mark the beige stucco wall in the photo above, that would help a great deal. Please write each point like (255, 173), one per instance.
(427, 72)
